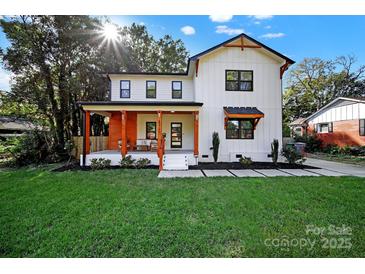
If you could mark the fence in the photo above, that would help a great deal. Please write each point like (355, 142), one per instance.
(97, 143)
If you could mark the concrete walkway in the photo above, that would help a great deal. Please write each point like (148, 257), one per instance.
(350, 170)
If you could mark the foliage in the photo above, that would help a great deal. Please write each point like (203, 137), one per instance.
(34, 147)
(292, 155)
(100, 163)
(142, 162)
(245, 161)
(187, 209)
(127, 161)
(275, 151)
(215, 143)
(334, 149)
(312, 142)
(314, 82)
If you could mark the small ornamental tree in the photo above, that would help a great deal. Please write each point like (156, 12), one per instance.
(275, 151)
(215, 139)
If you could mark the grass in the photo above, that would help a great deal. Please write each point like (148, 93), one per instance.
(341, 158)
(131, 213)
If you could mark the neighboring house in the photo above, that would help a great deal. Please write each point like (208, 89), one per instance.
(12, 126)
(298, 127)
(233, 88)
(341, 122)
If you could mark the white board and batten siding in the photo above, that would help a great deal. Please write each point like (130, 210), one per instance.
(342, 111)
(163, 87)
(266, 96)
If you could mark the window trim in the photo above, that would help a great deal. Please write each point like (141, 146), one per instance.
(172, 89)
(361, 127)
(151, 122)
(129, 90)
(239, 80)
(239, 129)
(148, 97)
(329, 126)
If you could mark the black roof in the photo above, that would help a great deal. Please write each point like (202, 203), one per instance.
(140, 103)
(242, 110)
(193, 58)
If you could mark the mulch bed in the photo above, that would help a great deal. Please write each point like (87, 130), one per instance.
(254, 165)
(76, 166)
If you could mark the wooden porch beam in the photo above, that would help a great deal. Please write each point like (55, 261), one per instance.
(283, 68)
(124, 133)
(196, 133)
(87, 132)
(159, 139)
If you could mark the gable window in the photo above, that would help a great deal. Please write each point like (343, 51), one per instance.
(150, 89)
(176, 89)
(325, 128)
(151, 130)
(239, 129)
(362, 127)
(239, 80)
(125, 89)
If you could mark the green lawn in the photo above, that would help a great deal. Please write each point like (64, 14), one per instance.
(120, 213)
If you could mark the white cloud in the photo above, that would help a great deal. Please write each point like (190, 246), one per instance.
(263, 17)
(272, 35)
(268, 27)
(226, 30)
(4, 80)
(188, 30)
(142, 23)
(257, 22)
(220, 18)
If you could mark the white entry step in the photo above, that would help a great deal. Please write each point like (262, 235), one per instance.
(175, 162)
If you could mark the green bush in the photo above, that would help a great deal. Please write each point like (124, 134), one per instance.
(292, 156)
(312, 142)
(100, 163)
(127, 161)
(215, 143)
(275, 151)
(142, 163)
(245, 161)
(331, 149)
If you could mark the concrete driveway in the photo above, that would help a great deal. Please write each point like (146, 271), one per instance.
(352, 170)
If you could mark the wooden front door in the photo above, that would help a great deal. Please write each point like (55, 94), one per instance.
(176, 135)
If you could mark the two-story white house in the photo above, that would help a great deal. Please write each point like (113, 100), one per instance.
(234, 88)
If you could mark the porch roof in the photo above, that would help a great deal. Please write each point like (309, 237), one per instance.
(243, 112)
(140, 105)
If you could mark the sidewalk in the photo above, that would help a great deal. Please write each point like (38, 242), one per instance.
(348, 169)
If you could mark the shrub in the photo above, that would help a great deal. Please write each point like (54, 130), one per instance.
(127, 161)
(357, 151)
(215, 141)
(99, 163)
(313, 143)
(245, 161)
(142, 162)
(292, 155)
(331, 149)
(275, 151)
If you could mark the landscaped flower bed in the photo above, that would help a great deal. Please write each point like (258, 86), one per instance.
(254, 165)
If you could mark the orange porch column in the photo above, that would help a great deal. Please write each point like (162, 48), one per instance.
(196, 133)
(87, 132)
(159, 138)
(124, 133)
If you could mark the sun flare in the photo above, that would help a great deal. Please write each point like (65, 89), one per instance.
(110, 32)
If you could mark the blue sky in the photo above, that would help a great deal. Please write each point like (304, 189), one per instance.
(295, 36)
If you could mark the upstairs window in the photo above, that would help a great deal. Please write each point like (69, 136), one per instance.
(125, 89)
(239, 129)
(151, 89)
(176, 89)
(239, 80)
(362, 127)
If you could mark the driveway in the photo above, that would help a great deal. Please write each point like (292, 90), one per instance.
(352, 170)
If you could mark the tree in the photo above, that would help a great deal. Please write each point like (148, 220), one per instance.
(314, 82)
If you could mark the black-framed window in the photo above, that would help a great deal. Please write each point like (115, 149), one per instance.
(239, 80)
(362, 127)
(239, 129)
(151, 130)
(125, 89)
(176, 89)
(151, 87)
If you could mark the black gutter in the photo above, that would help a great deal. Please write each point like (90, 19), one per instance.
(141, 103)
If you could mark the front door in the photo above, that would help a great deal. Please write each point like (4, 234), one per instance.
(176, 135)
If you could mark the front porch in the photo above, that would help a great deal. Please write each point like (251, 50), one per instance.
(144, 132)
